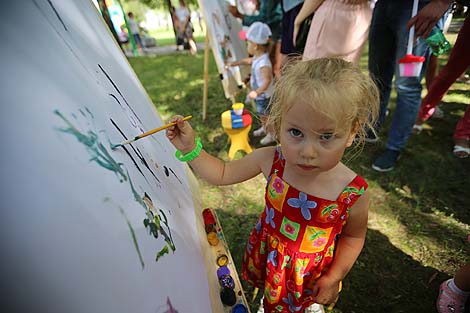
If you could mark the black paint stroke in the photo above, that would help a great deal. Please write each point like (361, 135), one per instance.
(127, 151)
(119, 92)
(175, 175)
(139, 154)
(57, 14)
(142, 159)
(115, 98)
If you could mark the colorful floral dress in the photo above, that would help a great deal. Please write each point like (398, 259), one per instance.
(294, 240)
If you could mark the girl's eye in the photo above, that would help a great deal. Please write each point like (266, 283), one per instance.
(295, 132)
(327, 136)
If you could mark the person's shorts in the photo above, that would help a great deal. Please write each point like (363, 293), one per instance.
(262, 106)
(288, 18)
(276, 30)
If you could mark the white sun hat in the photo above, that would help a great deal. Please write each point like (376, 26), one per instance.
(259, 33)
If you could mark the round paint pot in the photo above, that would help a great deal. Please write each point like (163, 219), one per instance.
(208, 217)
(239, 308)
(228, 297)
(226, 281)
(212, 239)
(223, 270)
(222, 260)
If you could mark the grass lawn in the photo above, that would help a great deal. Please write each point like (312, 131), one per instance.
(419, 216)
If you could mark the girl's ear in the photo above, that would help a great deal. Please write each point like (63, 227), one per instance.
(352, 135)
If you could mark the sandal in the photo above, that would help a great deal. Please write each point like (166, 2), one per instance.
(448, 301)
(461, 152)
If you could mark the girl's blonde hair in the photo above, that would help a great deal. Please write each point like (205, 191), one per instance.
(334, 87)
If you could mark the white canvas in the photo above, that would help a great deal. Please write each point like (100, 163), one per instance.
(73, 210)
(226, 45)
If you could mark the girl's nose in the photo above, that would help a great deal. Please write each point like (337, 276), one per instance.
(309, 150)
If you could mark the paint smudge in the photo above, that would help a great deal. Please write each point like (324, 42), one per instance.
(156, 220)
(95, 148)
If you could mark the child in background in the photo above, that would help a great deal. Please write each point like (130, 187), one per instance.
(314, 223)
(261, 81)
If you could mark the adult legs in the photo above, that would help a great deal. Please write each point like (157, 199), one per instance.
(382, 56)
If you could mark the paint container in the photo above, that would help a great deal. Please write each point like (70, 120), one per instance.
(212, 239)
(238, 108)
(222, 260)
(221, 271)
(239, 308)
(228, 297)
(208, 217)
(410, 65)
(226, 281)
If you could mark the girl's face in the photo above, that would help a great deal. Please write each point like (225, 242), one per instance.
(251, 47)
(308, 141)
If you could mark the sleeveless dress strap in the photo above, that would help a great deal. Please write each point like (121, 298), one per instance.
(278, 163)
(353, 191)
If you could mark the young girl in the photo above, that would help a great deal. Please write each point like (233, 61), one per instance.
(314, 223)
(261, 81)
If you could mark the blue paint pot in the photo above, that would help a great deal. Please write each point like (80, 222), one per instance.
(239, 308)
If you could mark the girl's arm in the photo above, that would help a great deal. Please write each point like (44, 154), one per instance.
(245, 61)
(307, 9)
(212, 169)
(347, 250)
(267, 75)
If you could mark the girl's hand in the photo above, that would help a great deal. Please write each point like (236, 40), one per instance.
(326, 290)
(181, 135)
(253, 94)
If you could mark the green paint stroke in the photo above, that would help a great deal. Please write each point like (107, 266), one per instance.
(136, 244)
(100, 155)
(97, 150)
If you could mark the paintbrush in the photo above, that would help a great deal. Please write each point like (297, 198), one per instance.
(150, 132)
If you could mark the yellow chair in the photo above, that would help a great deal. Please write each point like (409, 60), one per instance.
(238, 136)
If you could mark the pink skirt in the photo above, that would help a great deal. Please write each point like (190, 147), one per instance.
(339, 28)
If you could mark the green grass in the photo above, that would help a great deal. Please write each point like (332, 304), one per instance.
(419, 216)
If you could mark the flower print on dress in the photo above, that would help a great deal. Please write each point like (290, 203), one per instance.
(258, 227)
(290, 301)
(278, 185)
(270, 216)
(304, 205)
(350, 193)
(272, 257)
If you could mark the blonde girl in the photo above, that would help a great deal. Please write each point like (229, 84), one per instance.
(314, 222)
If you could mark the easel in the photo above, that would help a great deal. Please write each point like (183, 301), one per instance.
(206, 77)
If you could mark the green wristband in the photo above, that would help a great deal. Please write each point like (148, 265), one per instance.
(190, 155)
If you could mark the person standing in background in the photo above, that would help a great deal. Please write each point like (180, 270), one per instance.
(135, 31)
(183, 14)
(339, 28)
(388, 38)
(290, 9)
(270, 13)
